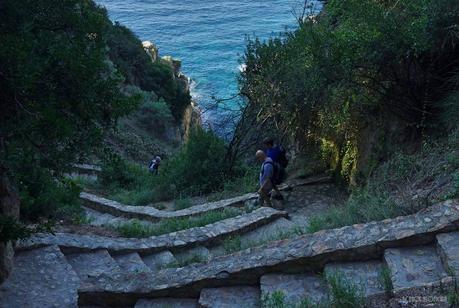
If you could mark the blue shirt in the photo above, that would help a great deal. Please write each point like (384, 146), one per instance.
(267, 172)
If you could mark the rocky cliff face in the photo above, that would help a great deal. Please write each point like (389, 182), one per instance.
(192, 115)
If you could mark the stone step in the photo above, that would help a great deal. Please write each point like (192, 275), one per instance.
(295, 287)
(365, 276)
(230, 297)
(448, 248)
(205, 235)
(150, 213)
(267, 232)
(309, 252)
(415, 268)
(167, 302)
(159, 260)
(259, 236)
(96, 218)
(200, 253)
(93, 264)
(131, 262)
(40, 278)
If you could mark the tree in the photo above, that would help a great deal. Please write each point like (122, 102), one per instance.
(59, 93)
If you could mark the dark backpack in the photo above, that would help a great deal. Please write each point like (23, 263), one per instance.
(278, 173)
(282, 160)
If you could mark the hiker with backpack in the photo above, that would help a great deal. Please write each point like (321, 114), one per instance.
(278, 155)
(154, 165)
(266, 178)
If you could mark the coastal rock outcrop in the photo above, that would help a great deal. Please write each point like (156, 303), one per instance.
(192, 114)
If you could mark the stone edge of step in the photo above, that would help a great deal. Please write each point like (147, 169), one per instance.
(358, 242)
(175, 240)
(104, 205)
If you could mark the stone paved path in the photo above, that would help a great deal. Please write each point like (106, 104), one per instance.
(68, 270)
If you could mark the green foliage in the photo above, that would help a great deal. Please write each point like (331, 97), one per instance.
(245, 181)
(132, 61)
(200, 167)
(136, 229)
(361, 67)
(274, 300)
(118, 172)
(344, 294)
(362, 206)
(453, 295)
(181, 204)
(385, 279)
(45, 196)
(11, 229)
(232, 244)
(59, 96)
(387, 193)
(277, 299)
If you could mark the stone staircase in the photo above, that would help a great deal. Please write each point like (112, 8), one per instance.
(419, 254)
(418, 251)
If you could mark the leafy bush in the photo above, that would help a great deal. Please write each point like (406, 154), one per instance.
(181, 204)
(344, 294)
(11, 229)
(365, 78)
(393, 189)
(42, 195)
(200, 167)
(132, 61)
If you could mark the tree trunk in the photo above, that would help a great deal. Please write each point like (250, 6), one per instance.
(9, 206)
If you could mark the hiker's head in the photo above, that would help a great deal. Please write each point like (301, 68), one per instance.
(260, 155)
(268, 142)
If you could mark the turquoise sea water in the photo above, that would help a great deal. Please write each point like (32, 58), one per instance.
(207, 35)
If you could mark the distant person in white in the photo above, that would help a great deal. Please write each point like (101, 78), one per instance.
(154, 165)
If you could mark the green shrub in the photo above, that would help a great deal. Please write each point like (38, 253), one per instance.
(11, 229)
(181, 204)
(274, 300)
(344, 294)
(200, 167)
(232, 244)
(43, 195)
(131, 60)
(362, 206)
(385, 279)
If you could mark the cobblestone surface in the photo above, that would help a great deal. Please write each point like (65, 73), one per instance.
(230, 297)
(365, 275)
(296, 287)
(413, 267)
(307, 252)
(167, 303)
(104, 205)
(448, 244)
(40, 278)
(189, 237)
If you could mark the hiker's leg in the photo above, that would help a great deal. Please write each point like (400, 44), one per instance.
(277, 194)
(265, 198)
